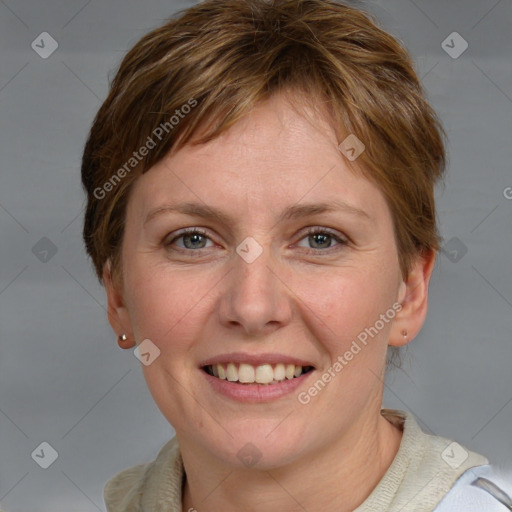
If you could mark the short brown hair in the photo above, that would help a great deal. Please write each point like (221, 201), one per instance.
(222, 57)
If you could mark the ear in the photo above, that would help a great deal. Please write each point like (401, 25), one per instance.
(413, 297)
(118, 316)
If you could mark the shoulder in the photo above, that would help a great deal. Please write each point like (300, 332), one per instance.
(482, 488)
(131, 489)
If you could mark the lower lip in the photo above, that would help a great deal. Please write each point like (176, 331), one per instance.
(255, 393)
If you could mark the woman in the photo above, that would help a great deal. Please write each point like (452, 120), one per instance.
(260, 187)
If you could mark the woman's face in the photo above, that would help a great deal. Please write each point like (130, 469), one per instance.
(254, 289)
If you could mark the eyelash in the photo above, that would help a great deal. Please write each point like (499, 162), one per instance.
(311, 231)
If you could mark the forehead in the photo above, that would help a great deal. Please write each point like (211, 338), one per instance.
(276, 155)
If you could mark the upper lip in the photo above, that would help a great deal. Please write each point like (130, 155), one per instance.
(254, 359)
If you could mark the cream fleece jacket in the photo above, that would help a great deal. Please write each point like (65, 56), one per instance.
(417, 480)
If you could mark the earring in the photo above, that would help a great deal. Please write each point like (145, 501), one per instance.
(404, 333)
(123, 337)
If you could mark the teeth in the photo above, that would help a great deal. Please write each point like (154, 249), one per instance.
(231, 372)
(262, 374)
(279, 372)
(246, 373)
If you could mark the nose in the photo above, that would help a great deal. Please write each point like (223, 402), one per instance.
(255, 298)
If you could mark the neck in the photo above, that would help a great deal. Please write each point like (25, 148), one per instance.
(336, 479)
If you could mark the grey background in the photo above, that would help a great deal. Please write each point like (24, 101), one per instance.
(63, 379)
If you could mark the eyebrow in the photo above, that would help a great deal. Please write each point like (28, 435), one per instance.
(292, 212)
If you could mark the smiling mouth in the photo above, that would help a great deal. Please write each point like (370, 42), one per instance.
(262, 374)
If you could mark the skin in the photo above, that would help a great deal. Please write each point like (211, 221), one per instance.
(303, 296)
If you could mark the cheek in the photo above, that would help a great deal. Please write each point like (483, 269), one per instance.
(344, 304)
(167, 306)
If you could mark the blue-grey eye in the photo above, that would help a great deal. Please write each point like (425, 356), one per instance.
(321, 239)
(192, 239)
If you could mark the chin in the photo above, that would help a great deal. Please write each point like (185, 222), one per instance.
(259, 445)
